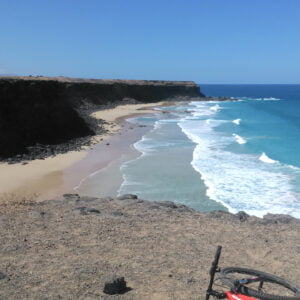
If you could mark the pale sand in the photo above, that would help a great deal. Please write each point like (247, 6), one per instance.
(118, 114)
(39, 177)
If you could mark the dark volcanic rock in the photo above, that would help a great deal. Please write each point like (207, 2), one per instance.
(279, 218)
(242, 216)
(86, 211)
(34, 113)
(71, 196)
(127, 197)
(168, 204)
(38, 114)
(115, 286)
(93, 210)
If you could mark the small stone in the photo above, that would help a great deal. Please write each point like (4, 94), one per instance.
(127, 196)
(168, 204)
(117, 213)
(71, 196)
(85, 211)
(115, 286)
(2, 276)
(93, 210)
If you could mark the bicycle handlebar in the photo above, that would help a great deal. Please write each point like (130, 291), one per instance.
(213, 269)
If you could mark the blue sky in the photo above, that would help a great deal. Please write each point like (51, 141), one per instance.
(211, 41)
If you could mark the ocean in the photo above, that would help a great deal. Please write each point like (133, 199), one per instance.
(231, 155)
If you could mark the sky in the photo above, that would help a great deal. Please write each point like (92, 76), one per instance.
(207, 41)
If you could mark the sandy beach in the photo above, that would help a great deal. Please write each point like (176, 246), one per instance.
(54, 175)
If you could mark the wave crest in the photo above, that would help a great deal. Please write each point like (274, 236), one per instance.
(267, 159)
(237, 121)
(239, 139)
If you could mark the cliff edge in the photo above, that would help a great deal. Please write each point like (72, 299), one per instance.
(68, 249)
(37, 111)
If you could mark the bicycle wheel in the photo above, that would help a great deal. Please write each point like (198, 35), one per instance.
(273, 288)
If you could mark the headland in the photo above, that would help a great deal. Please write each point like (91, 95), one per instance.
(68, 247)
(49, 123)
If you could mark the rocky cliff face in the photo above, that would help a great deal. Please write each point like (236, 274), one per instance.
(41, 110)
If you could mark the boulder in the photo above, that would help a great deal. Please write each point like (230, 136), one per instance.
(242, 216)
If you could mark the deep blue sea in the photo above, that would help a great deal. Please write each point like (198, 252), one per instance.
(230, 155)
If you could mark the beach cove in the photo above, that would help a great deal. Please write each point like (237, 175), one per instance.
(53, 176)
(200, 152)
(61, 246)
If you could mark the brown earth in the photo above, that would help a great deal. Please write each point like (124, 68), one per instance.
(67, 249)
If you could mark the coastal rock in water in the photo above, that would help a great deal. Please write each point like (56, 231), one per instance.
(115, 286)
(127, 197)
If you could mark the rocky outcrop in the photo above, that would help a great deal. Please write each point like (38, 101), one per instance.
(41, 110)
(34, 112)
(72, 248)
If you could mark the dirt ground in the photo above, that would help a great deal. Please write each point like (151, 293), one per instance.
(67, 249)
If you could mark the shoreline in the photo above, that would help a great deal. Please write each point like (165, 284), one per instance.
(73, 172)
(41, 179)
(99, 160)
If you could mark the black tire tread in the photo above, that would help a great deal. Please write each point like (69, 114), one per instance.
(268, 278)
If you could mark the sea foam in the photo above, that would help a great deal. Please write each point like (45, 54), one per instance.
(237, 121)
(237, 177)
(267, 159)
(215, 107)
(239, 181)
(240, 140)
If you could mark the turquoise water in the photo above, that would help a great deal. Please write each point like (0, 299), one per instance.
(231, 155)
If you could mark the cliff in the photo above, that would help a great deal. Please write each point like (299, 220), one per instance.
(43, 110)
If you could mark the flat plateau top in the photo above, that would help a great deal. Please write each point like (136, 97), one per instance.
(70, 247)
(103, 81)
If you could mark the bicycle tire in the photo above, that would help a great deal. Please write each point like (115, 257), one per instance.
(267, 278)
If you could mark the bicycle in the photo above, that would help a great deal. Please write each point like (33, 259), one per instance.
(245, 288)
